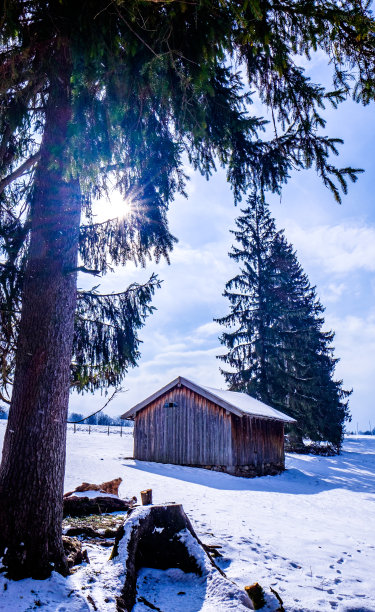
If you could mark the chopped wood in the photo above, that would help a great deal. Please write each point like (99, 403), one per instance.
(256, 594)
(89, 532)
(146, 497)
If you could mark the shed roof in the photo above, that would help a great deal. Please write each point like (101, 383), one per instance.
(240, 404)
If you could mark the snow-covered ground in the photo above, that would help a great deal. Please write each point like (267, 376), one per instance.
(308, 533)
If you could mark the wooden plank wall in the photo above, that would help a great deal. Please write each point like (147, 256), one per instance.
(195, 432)
(257, 441)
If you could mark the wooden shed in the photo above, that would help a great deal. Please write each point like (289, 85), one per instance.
(188, 424)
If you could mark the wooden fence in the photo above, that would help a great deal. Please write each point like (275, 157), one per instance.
(103, 429)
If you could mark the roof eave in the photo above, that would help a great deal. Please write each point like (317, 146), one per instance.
(132, 411)
(180, 380)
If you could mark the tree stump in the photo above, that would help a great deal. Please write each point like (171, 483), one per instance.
(162, 537)
(146, 497)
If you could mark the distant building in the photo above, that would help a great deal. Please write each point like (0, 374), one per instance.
(188, 424)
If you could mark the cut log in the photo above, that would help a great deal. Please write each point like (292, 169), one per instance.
(162, 537)
(256, 594)
(146, 497)
(84, 506)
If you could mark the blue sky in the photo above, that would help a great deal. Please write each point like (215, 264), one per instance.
(335, 245)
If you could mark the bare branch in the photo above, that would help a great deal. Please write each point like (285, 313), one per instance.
(117, 390)
(22, 169)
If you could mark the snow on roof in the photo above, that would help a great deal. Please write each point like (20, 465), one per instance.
(238, 403)
(249, 405)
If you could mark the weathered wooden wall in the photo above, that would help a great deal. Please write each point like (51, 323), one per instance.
(197, 432)
(257, 445)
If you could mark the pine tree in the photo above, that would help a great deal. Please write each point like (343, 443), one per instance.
(98, 94)
(309, 392)
(278, 351)
(251, 314)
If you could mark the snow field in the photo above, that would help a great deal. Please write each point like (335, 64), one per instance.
(308, 533)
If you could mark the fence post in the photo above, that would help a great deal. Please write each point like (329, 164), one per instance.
(89, 429)
(108, 431)
(74, 428)
(121, 431)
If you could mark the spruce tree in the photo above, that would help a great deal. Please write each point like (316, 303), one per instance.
(278, 351)
(249, 341)
(101, 93)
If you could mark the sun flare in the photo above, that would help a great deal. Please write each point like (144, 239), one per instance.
(118, 206)
(113, 206)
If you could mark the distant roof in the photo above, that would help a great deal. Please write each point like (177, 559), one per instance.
(240, 404)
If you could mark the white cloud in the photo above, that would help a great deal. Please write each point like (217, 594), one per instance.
(199, 365)
(355, 346)
(208, 330)
(166, 356)
(339, 249)
(333, 292)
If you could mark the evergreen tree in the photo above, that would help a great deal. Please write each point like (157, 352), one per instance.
(250, 343)
(75, 416)
(103, 93)
(309, 391)
(278, 351)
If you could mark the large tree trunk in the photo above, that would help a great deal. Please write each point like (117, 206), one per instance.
(33, 460)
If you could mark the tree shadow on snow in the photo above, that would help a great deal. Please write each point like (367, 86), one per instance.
(353, 469)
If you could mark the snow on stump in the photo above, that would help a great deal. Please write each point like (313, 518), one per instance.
(162, 537)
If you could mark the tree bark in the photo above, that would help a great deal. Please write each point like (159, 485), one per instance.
(33, 462)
